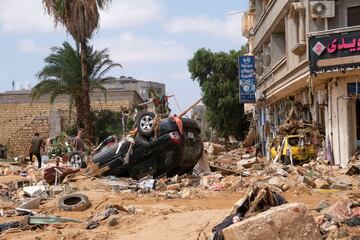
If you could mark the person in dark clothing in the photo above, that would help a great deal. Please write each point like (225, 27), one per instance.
(36, 145)
(79, 142)
(77, 155)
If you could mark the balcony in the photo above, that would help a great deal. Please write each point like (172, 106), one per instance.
(273, 13)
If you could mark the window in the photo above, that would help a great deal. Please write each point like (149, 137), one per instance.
(353, 18)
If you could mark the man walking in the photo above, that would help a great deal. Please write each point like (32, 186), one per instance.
(35, 147)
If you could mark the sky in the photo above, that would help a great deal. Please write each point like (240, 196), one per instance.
(151, 39)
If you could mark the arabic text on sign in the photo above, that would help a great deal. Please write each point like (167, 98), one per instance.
(354, 45)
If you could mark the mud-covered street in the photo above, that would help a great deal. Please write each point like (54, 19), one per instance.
(181, 207)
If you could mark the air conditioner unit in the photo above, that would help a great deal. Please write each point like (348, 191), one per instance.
(322, 9)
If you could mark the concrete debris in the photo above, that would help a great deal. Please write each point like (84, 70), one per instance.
(34, 191)
(112, 221)
(202, 165)
(185, 193)
(279, 182)
(258, 166)
(226, 175)
(282, 172)
(211, 180)
(213, 148)
(353, 170)
(321, 184)
(231, 181)
(175, 186)
(258, 197)
(56, 189)
(340, 211)
(308, 181)
(342, 182)
(247, 162)
(322, 205)
(95, 220)
(33, 203)
(146, 183)
(329, 226)
(289, 221)
(342, 235)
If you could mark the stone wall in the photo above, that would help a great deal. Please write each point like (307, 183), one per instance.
(20, 117)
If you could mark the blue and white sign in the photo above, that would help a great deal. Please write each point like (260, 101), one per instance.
(247, 79)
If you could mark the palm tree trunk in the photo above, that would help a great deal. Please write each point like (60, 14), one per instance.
(89, 130)
(79, 112)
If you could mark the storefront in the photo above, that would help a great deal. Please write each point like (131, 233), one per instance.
(334, 59)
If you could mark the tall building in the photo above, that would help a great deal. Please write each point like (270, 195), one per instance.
(131, 84)
(307, 52)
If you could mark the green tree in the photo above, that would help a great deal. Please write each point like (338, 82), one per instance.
(109, 123)
(81, 19)
(217, 75)
(61, 75)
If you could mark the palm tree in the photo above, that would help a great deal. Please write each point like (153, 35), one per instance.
(62, 75)
(81, 19)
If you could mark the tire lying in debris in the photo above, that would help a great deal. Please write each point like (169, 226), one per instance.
(74, 202)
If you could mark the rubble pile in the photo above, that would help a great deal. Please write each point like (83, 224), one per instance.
(273, 194)
(235, 160)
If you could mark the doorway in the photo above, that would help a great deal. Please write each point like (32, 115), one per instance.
(358, 123)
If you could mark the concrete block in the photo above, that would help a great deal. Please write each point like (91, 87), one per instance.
(247, 163)
(34, 191)
(321, 184)
(288, 221)
(31, 204)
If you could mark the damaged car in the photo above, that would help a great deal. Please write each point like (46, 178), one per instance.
(168, 146)
(293, 148)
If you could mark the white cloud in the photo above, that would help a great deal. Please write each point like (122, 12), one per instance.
(230, 27)
(24, 16)
(128, 47)
(29, 46)
(127, 13)
(29, 16)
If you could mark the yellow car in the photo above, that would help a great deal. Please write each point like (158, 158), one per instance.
(295, 147)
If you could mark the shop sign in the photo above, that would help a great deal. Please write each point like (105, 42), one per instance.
(334, 52)
(247, 79)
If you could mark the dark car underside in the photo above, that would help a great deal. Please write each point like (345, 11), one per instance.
(172, 151)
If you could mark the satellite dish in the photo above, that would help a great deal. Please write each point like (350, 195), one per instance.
(319, 8)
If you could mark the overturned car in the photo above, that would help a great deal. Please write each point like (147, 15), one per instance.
(160, 147)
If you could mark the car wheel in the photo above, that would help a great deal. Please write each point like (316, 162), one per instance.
(74, 202)
(76, 161)
(145, 124)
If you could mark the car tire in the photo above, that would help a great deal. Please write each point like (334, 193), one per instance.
(145, 123)
(74, 202)
(76, 160)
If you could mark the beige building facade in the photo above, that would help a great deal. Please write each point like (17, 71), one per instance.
(292, 42)
(20, 117)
